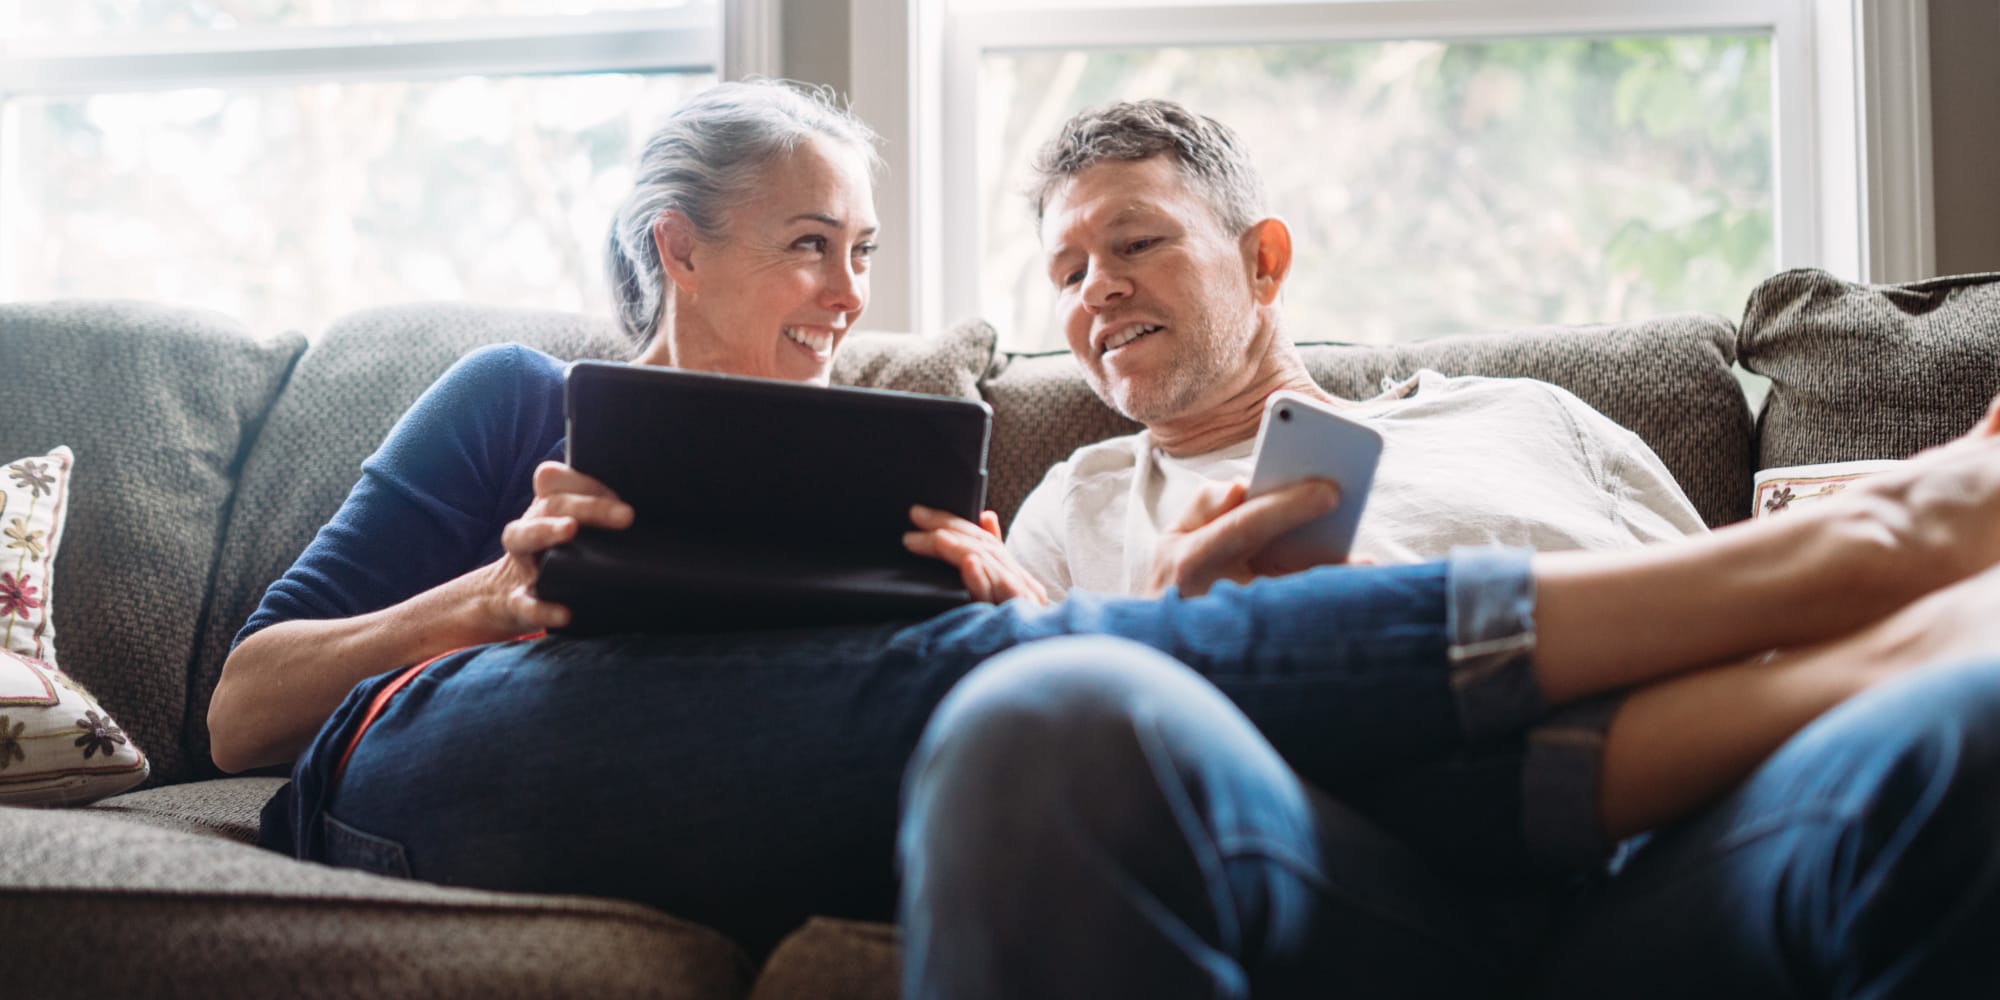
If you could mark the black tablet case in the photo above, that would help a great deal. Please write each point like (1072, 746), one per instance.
(760, 503)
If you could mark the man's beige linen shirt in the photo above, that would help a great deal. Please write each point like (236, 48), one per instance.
(1465, 461)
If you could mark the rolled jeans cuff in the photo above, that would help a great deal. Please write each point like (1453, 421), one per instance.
(1491, 620)
(1561, 785)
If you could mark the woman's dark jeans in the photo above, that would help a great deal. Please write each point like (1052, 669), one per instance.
(747, 781)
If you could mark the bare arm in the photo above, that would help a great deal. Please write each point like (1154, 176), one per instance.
(1849, 594)
(1677, 745)
(279, 685)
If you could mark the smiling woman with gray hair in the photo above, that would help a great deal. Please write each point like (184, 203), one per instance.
(704, 163)
(742, 249)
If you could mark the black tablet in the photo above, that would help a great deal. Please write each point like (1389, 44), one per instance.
(760, 503)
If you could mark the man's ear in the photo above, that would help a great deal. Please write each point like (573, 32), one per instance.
(675, 239)
(1267, 248)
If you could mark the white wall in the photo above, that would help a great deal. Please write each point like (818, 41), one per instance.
(1965, 152)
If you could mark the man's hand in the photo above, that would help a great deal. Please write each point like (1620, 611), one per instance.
(989, 570)
(565, 500)
(1223, 535)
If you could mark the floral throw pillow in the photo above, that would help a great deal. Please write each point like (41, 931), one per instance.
(57, 745)
(34, 500)
(1787, 488)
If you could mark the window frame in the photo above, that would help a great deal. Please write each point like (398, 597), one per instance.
(1851, 183)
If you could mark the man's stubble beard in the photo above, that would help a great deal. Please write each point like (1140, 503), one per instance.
(1178, 390)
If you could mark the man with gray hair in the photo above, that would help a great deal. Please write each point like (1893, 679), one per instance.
(1168, 271)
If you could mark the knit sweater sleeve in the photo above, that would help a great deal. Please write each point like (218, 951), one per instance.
(432, 499)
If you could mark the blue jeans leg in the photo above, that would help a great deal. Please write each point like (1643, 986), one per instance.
(747, 781)
(1862, 860)
(1088, 818)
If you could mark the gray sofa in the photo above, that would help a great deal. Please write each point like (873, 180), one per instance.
(206, 458)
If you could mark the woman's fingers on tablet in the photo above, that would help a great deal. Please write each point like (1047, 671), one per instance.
(596, 511)
(530, 535)
(531, 613)
(557, 477)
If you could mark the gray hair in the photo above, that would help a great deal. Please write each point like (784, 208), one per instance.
(703, 161)
(1206, 151)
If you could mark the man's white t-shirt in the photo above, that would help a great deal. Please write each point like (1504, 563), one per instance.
(1465, 461)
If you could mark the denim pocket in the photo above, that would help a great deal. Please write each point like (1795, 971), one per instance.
(348, 847)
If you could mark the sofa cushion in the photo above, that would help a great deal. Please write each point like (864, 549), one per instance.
(367, 368)
(229, 808)
(831, 959)
(1870, 371)
(158, 404)
(231, 920)
(1666, 379)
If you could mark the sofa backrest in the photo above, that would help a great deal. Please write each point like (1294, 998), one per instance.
(1666, 379)
(159, 405)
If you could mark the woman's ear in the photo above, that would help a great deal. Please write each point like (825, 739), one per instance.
(1267, 247)
(675, 239)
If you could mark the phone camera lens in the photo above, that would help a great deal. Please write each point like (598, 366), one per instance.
(1284, 414)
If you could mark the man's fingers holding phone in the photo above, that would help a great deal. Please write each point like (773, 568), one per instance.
(1246, 530)
(1222, 533)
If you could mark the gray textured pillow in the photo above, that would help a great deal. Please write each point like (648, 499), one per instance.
(1870, 371)
(940, 366)
(158, 403)
(370, 366)
(1666, 379)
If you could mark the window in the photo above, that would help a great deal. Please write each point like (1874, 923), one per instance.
(1446, 166)
(1440, 187)
(263, 159)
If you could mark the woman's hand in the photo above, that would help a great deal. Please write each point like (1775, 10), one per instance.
(279, 685)
(565, 500)
(989, 570)
(1223, 534)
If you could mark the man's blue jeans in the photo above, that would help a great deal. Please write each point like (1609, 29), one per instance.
(747, 781)
(1088, 818)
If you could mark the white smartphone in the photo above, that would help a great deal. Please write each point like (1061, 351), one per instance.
(1303, 438)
